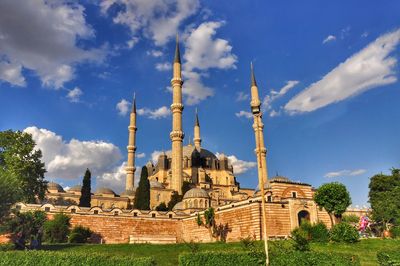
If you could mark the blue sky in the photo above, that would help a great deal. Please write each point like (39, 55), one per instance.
(327, 74)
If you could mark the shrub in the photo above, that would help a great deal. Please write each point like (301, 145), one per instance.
(247, 243)
(51, 258)
(344, 232)
(389, 258)
(56, 230)
(193, 246)
(301, 239)
(395, 231)
(350, 218)
(319, 233)
(80, 234)
(6, 247)
(162, 207)
(280, 259)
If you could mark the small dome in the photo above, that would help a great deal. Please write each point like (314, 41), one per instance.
(104, 190)
(54, 186)
(76, 188)
(196, 193)
(156, 184)
(279, 178)
(178, 206)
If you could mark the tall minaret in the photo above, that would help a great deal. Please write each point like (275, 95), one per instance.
(258, 126)
(177, 134)
(197, 138)
(130, 168)
(261, 153)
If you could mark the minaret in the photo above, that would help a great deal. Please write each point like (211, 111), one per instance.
(261, 153)
(177, 134)
(258, 126)
(197, 138)
(130, 168)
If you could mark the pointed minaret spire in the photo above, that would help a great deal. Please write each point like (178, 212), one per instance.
(253, 78)
(197, 119)
(197, 138)
(177, 58)
(134, 103)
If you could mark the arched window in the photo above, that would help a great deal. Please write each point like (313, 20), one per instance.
(196, 205)
(206, 203)
(201, 205)
(227, 181)
(186, 205)
(158, 197)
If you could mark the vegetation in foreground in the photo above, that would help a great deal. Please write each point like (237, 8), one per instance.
(366, 250)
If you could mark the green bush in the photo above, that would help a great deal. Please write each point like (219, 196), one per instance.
(350, 218)
(319, 233)
(6, 247)
(344, 232)
(301, 239)
(80, 234)
(389, 258)
(51, 258)
(57, 230)
(395, 231)
(280, 259)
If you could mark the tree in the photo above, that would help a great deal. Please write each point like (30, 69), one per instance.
(142, 196)
(175, 198)
(384, 196)
(84, 200)
(57, 230)
(26, 227)
(334, 198)
(20, 160)
(10, 193)
(162, 207)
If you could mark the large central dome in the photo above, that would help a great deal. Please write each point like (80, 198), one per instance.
(191, 151)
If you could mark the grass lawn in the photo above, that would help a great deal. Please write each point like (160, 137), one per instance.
(168, 254)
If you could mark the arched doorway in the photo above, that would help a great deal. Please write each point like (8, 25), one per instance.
(303, 216)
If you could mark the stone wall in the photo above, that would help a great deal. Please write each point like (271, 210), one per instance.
(240, 220)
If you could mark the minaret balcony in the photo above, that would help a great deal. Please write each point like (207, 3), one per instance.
(177, 135)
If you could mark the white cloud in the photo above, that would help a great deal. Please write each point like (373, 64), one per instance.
(274, 95)
(114, 179)
(241, 96)
(155, 53)
(161, 112)
(344, 173)
(12, 73)
(74, 95)
(163, 66)
(369, 68)
(155, 155)
(158, 20)
(123, 107)
(244, 114)
(140, 155)
(239, 166)
(41, 36)
(69, 160)
(329, 38)
(202, 52)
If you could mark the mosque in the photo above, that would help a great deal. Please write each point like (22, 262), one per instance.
(202, 178)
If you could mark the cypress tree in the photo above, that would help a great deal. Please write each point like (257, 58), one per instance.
(142, 197)
(84, 200)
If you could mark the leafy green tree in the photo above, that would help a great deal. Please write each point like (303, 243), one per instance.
(21, 163)
(162, 207)
(334, 198)
(25, 226)
(142, 197)
(175, 198)
(10, 193)
(80, 234)
(384, 196)
(57, 230)
(84, 200)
